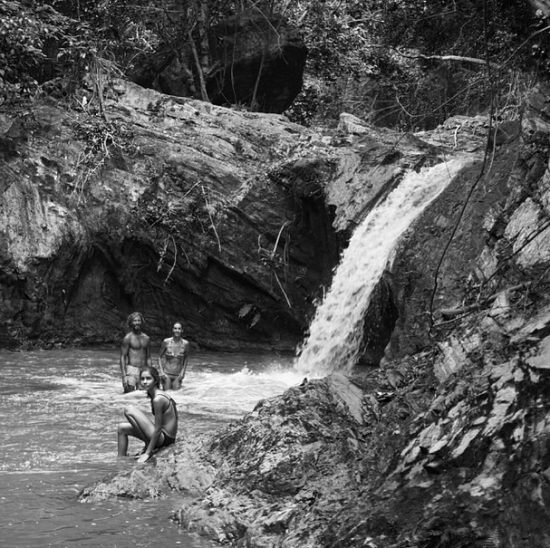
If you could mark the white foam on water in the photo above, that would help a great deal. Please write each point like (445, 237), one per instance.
(231, 395)
(64, 406)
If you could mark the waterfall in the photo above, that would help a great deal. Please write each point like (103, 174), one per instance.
(336, 331)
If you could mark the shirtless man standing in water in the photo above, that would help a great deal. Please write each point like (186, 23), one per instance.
(135, 353)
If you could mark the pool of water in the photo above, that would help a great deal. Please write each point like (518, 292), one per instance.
(59, 411)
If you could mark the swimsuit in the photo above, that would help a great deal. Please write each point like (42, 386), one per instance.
(168, 440)
(172, 376)
(170, 355)
(132, 375)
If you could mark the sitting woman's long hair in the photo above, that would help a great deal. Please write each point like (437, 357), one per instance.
(154, 373)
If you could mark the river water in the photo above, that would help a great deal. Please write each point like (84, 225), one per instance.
(58, 413)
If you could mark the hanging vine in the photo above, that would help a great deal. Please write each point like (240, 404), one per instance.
(272, 260)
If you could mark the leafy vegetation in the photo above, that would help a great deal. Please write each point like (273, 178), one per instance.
(411, 64)
(399, 63)
(37, 43)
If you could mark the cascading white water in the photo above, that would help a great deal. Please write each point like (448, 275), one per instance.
(336, 330)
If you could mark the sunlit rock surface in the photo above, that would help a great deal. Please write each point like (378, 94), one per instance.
(230, 221)
(446, 444)
(172, 469)
(167, 207)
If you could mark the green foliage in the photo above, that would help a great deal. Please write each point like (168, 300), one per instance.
(405, 63)
(44, 41)
(400, 63)
(461, 27)
(36, 44)
(337, 36)
(306, 106)
(122, 28)
(497, 35)
(100, 136)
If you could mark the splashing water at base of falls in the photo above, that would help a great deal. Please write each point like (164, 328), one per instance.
(337, 329)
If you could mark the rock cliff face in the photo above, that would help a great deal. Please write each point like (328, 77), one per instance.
(446, 444)
(166, 206)
(228, 220)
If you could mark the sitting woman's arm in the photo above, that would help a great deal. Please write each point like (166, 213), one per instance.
(159, 405)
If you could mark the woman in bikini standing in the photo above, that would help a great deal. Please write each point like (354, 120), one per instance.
(172, 359)
(155, 434)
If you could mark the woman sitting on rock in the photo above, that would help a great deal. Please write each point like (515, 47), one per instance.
(155, 434)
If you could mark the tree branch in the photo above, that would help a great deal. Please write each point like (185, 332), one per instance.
(458, 58)
(446, 312)
(202, 83)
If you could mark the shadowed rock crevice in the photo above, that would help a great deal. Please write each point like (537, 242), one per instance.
(256, 61)
(380, 319)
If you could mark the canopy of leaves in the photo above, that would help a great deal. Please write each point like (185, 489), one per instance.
(34, 38)
(400, 63)
(413, 63)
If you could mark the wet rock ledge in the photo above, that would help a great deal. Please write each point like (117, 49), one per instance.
(391, 459)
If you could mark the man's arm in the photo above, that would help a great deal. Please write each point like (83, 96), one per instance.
(148, 357)
(124, 350)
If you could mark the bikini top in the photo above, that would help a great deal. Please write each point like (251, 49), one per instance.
(170, 352)
(171, 405)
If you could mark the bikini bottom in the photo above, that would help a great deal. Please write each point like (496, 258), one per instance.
(168, 440)
(172, 376)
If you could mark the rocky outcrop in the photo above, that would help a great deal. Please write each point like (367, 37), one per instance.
(441, 447)
(484, 238)
(228, 220)
(233, 222)
(388, 460)
(256, 61)
(277, 474)
(474, 470)
(138, 482)
(161, 205)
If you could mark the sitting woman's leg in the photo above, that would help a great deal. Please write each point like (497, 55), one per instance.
(138, 425)
(124, 430)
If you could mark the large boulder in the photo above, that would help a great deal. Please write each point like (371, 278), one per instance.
(166, 207)
(262, 63)
(230, 221)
